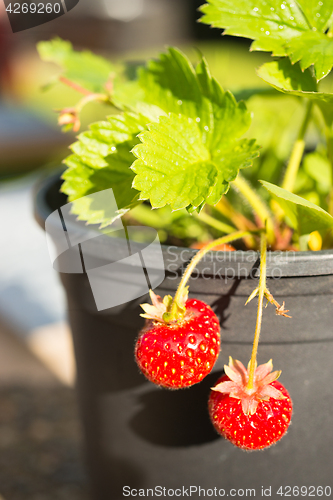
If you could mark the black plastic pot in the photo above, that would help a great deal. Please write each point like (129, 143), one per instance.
(140, 436)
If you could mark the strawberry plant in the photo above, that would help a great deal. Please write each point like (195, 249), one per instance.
(181, 155)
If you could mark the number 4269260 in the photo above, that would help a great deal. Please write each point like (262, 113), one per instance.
(309, 491)
(34, 8)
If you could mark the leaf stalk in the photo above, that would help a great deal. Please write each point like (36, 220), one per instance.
(329, 140)
(297, 152)
(258, 205)
(216, 224)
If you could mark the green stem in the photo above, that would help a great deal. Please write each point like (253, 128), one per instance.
(90, 98)
(216, 224)
(257, 204)
(220, 241)
(262, 289)
(239, 220)
(329, 140)
(297, 152)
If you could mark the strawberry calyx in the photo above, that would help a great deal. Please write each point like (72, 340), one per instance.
(165, 310)
(237, 386)
(172, 310)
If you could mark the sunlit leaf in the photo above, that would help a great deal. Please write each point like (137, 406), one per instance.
(101, 160)
(296, 29)
(82, 67)
(303, 215)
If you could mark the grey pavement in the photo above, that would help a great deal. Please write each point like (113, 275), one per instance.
(30, 291)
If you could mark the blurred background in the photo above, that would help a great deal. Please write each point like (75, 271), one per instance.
(40, 435)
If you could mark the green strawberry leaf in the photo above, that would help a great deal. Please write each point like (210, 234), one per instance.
(312, 48)
(84, 68)
(172, 85)
(101, 160)
(176, 167)
(192, 154)
(271, 22)
(191, 142)
(287, 77)
(303, 215)
(294, 29)
(290, 79)
(318, 13)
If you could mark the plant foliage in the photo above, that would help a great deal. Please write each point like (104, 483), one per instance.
(297, 29)
(303, 215)
(186, 132)
(84, 68)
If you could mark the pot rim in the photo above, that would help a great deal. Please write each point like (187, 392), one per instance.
(290, 263)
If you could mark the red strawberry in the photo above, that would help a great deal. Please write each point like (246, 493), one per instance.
(250, 419)
(179, 353)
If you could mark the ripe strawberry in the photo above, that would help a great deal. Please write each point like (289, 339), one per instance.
(179, 353)
(250, 419)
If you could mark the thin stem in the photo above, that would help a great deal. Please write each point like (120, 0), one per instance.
(220, 241)
(258, 205)
(89, 98)
(329, 140)
(216, 224)
(297, 152)
(74, 85)
(71, 116)
(262, 289)
(241, 222)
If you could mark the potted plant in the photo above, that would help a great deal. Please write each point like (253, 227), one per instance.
(175, 141)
